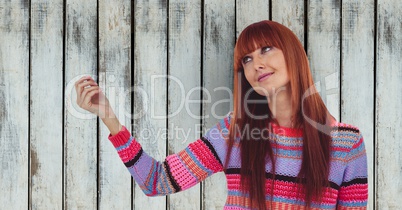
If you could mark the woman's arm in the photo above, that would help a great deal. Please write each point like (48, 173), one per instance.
(91, 98)
(353, 193)
(178, 171)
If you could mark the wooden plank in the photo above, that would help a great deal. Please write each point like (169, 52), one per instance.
(291, 14)
(247, 13)
(46, 91)
(219, 40)
(388, 105)
(323, 47)
(150, 98)
(80, 143)
(14, 105)
(357, 102)
(115, 77)
(185, 72)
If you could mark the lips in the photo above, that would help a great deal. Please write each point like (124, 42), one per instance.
(264, 76)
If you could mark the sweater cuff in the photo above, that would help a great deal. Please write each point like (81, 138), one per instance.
(120, 138)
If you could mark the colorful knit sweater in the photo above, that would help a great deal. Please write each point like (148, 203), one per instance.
(348, 168)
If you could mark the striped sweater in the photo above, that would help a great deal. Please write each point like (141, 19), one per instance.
(348, 168)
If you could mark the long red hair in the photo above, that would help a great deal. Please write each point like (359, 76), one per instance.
(255, 151)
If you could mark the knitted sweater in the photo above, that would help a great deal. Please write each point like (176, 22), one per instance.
(348, 167)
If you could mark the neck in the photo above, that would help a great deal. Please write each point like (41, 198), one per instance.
(280, 105)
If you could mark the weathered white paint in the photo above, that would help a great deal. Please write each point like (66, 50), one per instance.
(150, 70)
(324, 50)
(388, 105)
(80, 148)
(115, 78)
(291, 14)
(46, 108)
(357, 102)
(80, 143)
(14, 105)
(185, 71)
(219, 39)
(248, 13)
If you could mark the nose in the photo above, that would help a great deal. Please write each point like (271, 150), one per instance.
(258, 63)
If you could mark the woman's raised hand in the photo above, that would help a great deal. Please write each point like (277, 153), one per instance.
(91, 98)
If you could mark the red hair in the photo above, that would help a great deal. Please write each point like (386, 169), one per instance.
(254, 151)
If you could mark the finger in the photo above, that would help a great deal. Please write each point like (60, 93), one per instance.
(81, 90)
(84, 82)
(77, 89)
(82, 79)
(89, 97)
(86, 91)
(84, 85)
(78, 86)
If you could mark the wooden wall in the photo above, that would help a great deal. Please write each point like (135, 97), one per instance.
(151, 56)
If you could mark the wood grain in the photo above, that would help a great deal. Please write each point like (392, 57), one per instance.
(80, 143)
(291, 14)
(357, 98)
(150, 98)
(323, 48)
(219, 39)
(388, 105)
(14, 103)
(115, 79)
(184, 107)
(247, 13)
(359, 73)
(46, 91)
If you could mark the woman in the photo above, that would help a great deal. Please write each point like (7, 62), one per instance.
(280, 148)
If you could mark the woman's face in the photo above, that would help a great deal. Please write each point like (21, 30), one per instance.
(265, 69)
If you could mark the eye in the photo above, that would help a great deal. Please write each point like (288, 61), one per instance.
(246, 59)
(265, 49)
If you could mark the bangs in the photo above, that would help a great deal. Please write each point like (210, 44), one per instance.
(255, 36)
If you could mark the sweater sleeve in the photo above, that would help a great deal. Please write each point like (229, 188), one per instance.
(353, 193)
(177, 172)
